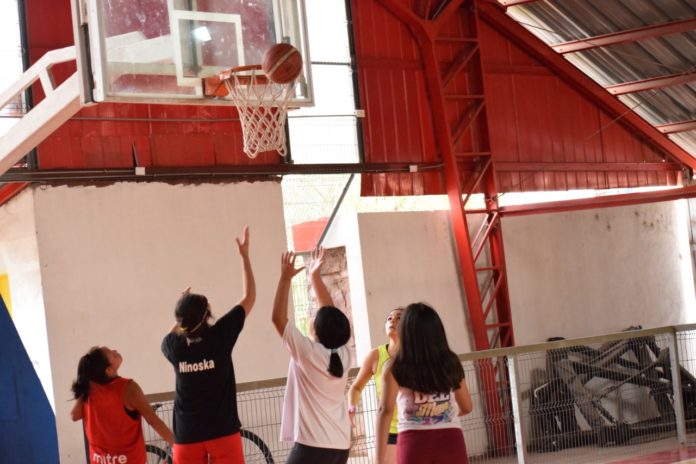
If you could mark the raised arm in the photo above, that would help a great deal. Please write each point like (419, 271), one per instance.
(320, 291)
(280, 302)
(386, 412)
(135, 399)
(366, 370)
(249, 297)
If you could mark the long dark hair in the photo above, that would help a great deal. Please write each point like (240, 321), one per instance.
(91, 368)
(424, 362)
(192, 314)
(332, 329)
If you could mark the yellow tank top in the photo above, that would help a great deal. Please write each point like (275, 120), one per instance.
(384, 357)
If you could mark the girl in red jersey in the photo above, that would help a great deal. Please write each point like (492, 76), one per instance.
(111, 407)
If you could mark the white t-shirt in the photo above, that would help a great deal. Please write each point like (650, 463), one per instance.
(315, 409)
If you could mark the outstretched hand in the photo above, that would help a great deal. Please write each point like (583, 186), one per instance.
(316, 260)
(287, 265)
(243, 244)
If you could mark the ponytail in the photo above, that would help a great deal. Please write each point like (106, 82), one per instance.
(91, 368)
(332, 329)
(335, 364)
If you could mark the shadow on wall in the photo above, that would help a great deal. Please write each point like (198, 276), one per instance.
(27, 422)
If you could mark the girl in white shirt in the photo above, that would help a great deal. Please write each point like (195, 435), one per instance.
(315, 409)
(426, 379)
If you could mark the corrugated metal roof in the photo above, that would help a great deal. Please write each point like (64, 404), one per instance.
(652, 51)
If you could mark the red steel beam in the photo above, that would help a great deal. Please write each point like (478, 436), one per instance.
(505, 166)
(425, 34)
(649, 84)
(608, 201)
(509, 3)
(496, 17)
(629, 35)
(8, 191)
(675, 127)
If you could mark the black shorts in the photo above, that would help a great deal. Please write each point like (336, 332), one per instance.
(392, 438)
(303, 454)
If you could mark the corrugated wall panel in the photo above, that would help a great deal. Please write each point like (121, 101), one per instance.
(397, 124)
(550, 122)
(535, 118)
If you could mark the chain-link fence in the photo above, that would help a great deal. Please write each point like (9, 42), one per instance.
(598, 399)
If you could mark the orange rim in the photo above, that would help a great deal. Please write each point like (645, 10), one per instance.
(214, 86)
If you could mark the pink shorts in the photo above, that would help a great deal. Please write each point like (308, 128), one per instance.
(223, 450)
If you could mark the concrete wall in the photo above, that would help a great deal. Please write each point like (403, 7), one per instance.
(19, 259)
(395, 259)
(587, 273)
(114, 260)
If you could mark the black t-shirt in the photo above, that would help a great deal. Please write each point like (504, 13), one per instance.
(205, 406)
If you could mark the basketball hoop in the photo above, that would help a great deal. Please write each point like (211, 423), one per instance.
(262, 106)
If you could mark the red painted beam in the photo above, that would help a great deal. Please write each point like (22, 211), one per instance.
(629, 35)
(496, 17)
(8, 191)
(649, 84)
(681, 126)
(607, 201)
(585, 167)
(509, 3)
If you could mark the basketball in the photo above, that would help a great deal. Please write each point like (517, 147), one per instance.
(282, 63)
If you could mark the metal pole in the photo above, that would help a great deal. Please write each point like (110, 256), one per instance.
(516, 398)
(335, 211)
(677, 388)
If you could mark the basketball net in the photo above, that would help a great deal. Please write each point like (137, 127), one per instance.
(262, 106)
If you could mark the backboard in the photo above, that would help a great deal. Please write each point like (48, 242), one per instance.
(158, 51)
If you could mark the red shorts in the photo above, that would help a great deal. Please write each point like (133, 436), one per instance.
(223, 450)
(439, 446)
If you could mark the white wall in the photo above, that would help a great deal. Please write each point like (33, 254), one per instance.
(399, 258)
(344, 232)
(115, 258)
(407, 257)
(592, 272)
(19, 259)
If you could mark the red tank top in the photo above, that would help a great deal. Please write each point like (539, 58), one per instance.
(114, 437)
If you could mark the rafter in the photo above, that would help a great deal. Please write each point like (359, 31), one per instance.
(650, 84)
(508, 3)
(497, 18)
(629, 35)
(675, 127)
(607, 201)
(503, 166)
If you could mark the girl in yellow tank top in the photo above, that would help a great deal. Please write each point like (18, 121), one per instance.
(372, 366)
